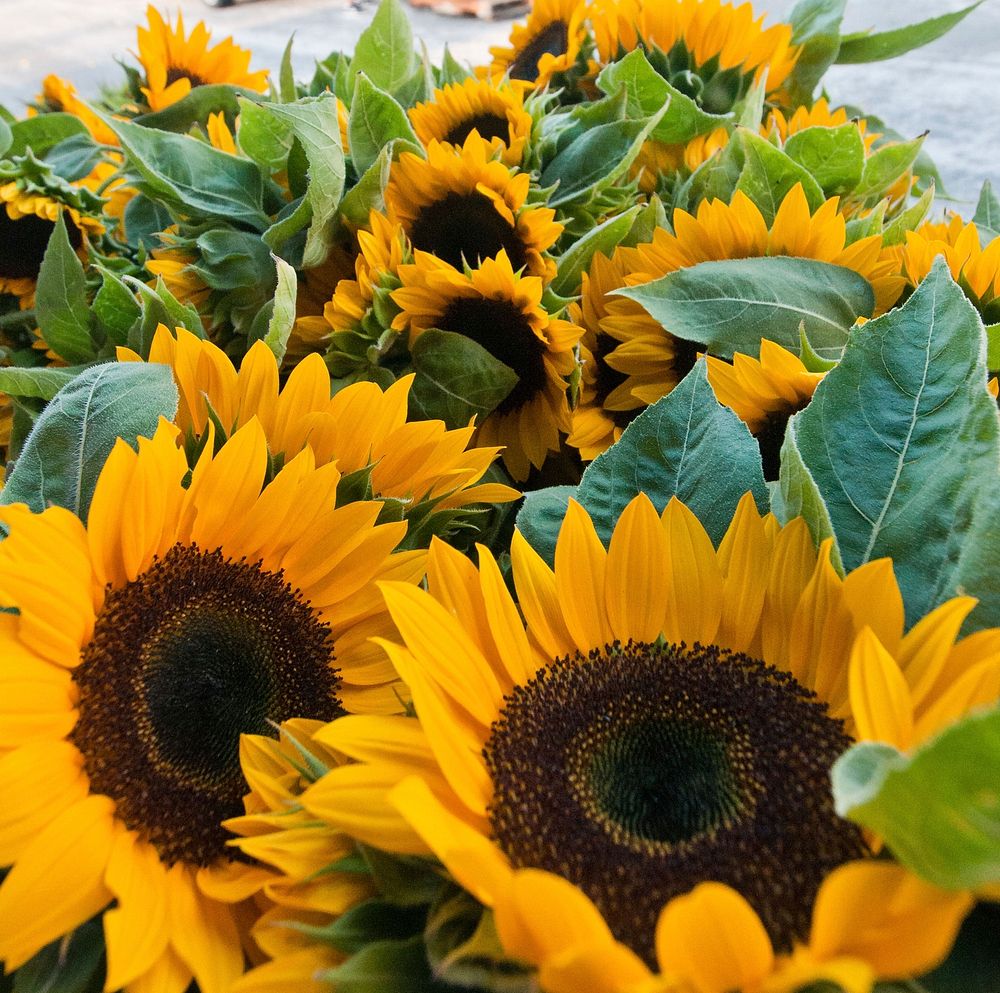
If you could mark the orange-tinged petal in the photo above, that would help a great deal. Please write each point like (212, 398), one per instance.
(579, 573)
(539, 599)
(609, 968)
(880, 698)
(168, 975)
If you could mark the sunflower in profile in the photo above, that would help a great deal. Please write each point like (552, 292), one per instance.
(494, 110)
(502, 311)
(27, 219)
(657, 158)
(60, 95)
(640, 749)
(764, 392)
(175, 63)
(975, 268)
(361, 427)
(465, 206)
(648, 358)
(143, 644)
(546, 45)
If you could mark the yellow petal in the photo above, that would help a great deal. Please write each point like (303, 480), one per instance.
(539, 599)
(580, 564)
(609, 968)
(168, 975)
(880, 698)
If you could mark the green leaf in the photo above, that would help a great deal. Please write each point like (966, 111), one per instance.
(452, 71)
(541, 516)
(885, 165)
(263, 137)
(75, 157)
(457, 379)
(834, 157)
(769, 174)
(313, 120)
(283, 319)
(286, 75)
(192, 177)
(576, 259)
(678, 447)
(987, 216)
(864, 46)
(71, 440)
(400, 966)
(195, 108)
(160, 306)
(74, 964)
(367, 194)
(42, 382)
(902, 442)
(375, 120)
(993, 347)
(384, 52)
(729, 306)
(6, 137)
(816, 28)
(61, 299)
(938, 809)
(647, 93)
(596, 159)
(42, 132)
(894, 232)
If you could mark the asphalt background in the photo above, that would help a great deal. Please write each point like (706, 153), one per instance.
(951, 87)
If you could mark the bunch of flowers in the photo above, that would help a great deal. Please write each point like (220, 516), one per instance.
(526, 528)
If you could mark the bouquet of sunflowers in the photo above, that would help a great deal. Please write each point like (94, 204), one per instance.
(530, 528)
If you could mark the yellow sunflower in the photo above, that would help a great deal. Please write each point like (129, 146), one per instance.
(547, 44)
(174, 264)
(60, 95)
(631, 765)
(465, 206)
(764, 393)
(493, 110)
(649, 358)
(502, 311)
(176, 63)
(359, 427)
(143, 644)
(27, 220)
(656, 158)
(974, 268)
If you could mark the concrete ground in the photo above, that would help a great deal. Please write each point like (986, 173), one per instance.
(952, 87)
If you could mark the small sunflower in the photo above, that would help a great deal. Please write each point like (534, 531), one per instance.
(974, 268)
(176, 63)
(546, 45)
(143, 644)
(764, 393)
(502, 311)
(635, 776)
(493, 110)
(649, 358)
(358, 428)
(464, 206)
(819, 115)
(27, 219)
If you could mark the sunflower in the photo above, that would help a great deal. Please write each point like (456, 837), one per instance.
(819, 115)
(649, 358)
(657, 158)
(502, 311)
(464, 206)
(60, 95)
(764, 393)
(635, 776)
(547, 44)
(27, 220)
(142, 645)
(493, 110)
(359, 428)
(175, 265)
(175, 64)
(974, 268)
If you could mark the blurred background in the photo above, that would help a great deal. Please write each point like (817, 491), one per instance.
(951, 87)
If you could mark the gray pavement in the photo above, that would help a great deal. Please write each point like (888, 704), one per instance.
(952, 87)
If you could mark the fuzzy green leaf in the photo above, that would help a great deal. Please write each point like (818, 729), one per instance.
(283, 318)
(384, 52)
(263, 137)
(375, 121)
(115, 307)
(816, 29)
(769, 174)
(987, 216)
(885, 165)
(42, 132)
(834, 157)
(41, 382)
(195, 108)
(865, 46)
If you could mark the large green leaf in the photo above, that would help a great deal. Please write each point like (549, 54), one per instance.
(192, 177)
(457, 379)
(769, 174)
(263, 137)
(885, 165)
(61, 300)
(938, 809)
(384, 52)
(729, 306)
(71, 440)
(375, 121)
(42, 132)
(686, 445)
(195, 108)
(6, 137)
(987, 216)
(902, 444)
(816, 30)
(865, 46)
(313, 120)
(41, 382)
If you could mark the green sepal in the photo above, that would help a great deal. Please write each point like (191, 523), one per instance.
(403, 880)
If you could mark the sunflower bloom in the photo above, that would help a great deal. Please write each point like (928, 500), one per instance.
(465, 207)
(144, 643)
(502, 311)
(175, 63)
(547, 44)
(360, 427)
(618, 761)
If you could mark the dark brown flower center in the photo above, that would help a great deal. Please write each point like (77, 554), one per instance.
(179, 72)
(488, 125)
(466, 227)
(196, 651)
(23, 243)
(639, 771)
(553, 39)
